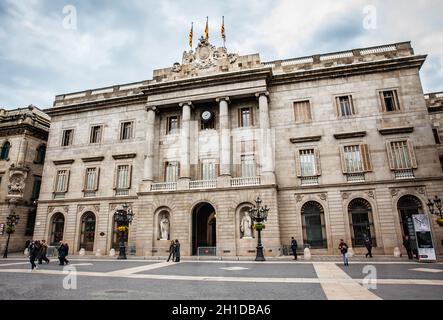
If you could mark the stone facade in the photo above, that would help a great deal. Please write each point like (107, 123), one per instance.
(23, 137)
(317, 138)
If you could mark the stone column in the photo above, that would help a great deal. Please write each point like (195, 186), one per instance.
(22, 152)
(225, 138)
(150, 137)
(185, 132)
(266, 149)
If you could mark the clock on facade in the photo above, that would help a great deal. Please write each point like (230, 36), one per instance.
(206, 115)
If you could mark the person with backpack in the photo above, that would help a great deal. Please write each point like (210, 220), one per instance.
(343, 247)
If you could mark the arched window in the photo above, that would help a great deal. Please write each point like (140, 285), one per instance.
(40, 155)
(360, 219)
(313, 221)
(4, 154)
(87, 231)
(408, 206)
(57, 228)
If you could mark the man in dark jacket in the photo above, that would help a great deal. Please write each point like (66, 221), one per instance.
(63, 251)
(33, 253)
(43, 252)
(368, 245)
(177, 251)
(408, 246)
(343, 247)
(294, 247)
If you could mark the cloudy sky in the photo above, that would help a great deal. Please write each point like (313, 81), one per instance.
(43, 52)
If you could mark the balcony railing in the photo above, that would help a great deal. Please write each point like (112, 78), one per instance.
(355, 177)
(245, 181)
(164, 186)
(404, 174)
(309, 181)
(203, 184)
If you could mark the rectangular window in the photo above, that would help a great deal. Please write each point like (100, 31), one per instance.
(36, 189)
(91, 179)
(436, 136)
(208, 169)
(123, 177)
(173, 124)
(441, 163)
(172, 171)
(307, 163)
(248, 166)
(30, 224)
(355, 159)
(389, 100)
(302, 111)
(67, 137)
(126, 130)
(61, 184)
(246, 117)
(345, 106)
(96, 134)
(401, 155)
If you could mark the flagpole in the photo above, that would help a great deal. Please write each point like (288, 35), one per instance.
(223, 32)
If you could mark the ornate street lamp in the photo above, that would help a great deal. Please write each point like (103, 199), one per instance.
(11, 222)
(436, 203)
(259, 215)
(124, 219)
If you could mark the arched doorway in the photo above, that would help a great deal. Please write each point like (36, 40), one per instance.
(87, 234)
(407, 207)
(204, 227)
(313, 223)
(57, 228)
(361, 222)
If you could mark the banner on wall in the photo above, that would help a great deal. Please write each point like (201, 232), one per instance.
(425, 244)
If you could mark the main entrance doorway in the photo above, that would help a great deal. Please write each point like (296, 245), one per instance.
(204, 229)
(407, 207)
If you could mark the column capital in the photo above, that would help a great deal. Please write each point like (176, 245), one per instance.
(186, 103)
(219, 99)
(262, 93)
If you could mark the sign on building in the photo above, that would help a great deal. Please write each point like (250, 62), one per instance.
(425, 245)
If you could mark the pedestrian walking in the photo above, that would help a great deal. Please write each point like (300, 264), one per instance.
(43, 252)
(343, 247)
(294, 247)
(171, 251)
(408, 246)
(177, 251)
(63, 251)
(33, 253)
(368, 245)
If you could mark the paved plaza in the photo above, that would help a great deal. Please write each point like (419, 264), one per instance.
(221, 280)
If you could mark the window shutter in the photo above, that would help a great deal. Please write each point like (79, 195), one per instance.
(364, 149)
(382, 100)
(337, 106)
(412, 154)
(252, 113)
(343, 160)
(97, 178)
(56, 180)
(351, 103)
(239, 124)
(130, 176)
(297, 163)
(85, 179)
(317, 162)
(68, 175)
(115, 176)
(390, 154)
(217, 170)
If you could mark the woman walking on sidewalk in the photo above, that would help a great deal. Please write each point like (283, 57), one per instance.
(43, 252)
(171, 251)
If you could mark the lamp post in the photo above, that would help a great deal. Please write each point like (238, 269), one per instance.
(124, 219)
(436, 204)
(11, 222)
(259, 215)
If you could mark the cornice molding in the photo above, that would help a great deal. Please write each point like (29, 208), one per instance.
(397, 130)
(124, 156)
(62, 162)
(93, 159)
(305, 139)
(349, 135)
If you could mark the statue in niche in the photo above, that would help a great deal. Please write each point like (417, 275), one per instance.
(246, 226)
(164, 227)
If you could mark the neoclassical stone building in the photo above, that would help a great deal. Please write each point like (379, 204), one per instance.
(338, 145)
(23, 136)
